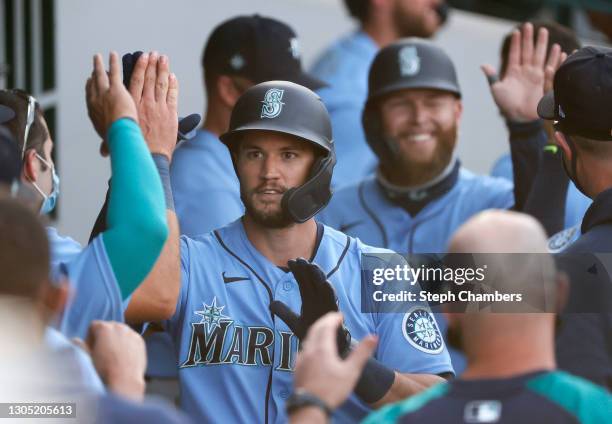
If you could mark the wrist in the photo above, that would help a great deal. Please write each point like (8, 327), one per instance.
(131, 387)
(302, 399)
(309, 414)
(163, 168)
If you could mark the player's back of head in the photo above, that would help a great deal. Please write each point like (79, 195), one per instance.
(24, 258)
(514, 248)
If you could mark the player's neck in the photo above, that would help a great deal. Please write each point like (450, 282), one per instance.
(20, 323)
(503, 356)
(216, 120)
(279, 245)
(381, 32)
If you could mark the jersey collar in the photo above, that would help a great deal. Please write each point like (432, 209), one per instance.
(414, 199)
(600, 211)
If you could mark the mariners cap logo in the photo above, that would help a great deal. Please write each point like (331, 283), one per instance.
(237, 62)
(421, 330)
(294, 47)
(272, 104)
(409, 61)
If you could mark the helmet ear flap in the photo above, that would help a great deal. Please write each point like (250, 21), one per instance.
(303, 202)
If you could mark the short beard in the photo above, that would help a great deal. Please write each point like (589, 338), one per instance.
(410, 26)
(276, 220)
(417, 172)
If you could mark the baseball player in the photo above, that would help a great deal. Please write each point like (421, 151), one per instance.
(107, 271)
(240, 52)
(235, 357)
(345, 65)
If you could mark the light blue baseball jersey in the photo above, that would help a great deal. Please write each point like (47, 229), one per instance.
(94, 292)
(345, 66)
(576, 203)
(235, 358)
(363, 211)
(204, 184)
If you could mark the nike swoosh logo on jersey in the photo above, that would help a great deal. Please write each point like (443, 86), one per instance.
(344, 228)
(228, 280)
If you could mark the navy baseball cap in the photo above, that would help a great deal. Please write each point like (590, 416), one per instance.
(257, 48)
(581, 99)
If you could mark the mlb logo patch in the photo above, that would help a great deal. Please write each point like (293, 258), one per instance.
(482, 411)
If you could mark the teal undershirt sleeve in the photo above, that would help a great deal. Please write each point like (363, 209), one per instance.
(136, 219)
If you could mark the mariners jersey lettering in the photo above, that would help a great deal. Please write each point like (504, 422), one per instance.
(232, 351)
(94, 292)
(363, 211)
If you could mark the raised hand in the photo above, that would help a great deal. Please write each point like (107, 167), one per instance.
(155, 92)
(107, 98)
(517, 94)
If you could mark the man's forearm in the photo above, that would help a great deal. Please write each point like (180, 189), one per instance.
(156, 298)
(406, 385)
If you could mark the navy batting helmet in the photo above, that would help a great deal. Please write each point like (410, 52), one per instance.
(405, 64)
(289, 108)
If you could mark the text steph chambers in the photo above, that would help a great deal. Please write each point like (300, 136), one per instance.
(462, 296)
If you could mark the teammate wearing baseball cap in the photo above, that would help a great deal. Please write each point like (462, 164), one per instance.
(234, 322)
(420, 193)
(579, 106)
(345, 64)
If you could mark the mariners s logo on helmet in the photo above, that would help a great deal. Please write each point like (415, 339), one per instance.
(272, 104)
(409, 61)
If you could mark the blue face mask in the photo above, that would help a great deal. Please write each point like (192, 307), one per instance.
(50, 200)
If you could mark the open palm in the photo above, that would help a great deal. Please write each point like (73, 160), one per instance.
(517, 94)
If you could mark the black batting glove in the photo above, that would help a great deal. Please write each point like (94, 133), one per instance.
(318, 298)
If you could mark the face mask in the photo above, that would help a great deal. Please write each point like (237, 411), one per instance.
(49, 200)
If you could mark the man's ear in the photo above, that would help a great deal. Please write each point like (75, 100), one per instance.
(563, 288)
(458, 111)
(30, 167)
(563, 144)
(227, 91)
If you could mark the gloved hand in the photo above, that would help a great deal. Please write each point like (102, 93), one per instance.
(318, 298)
